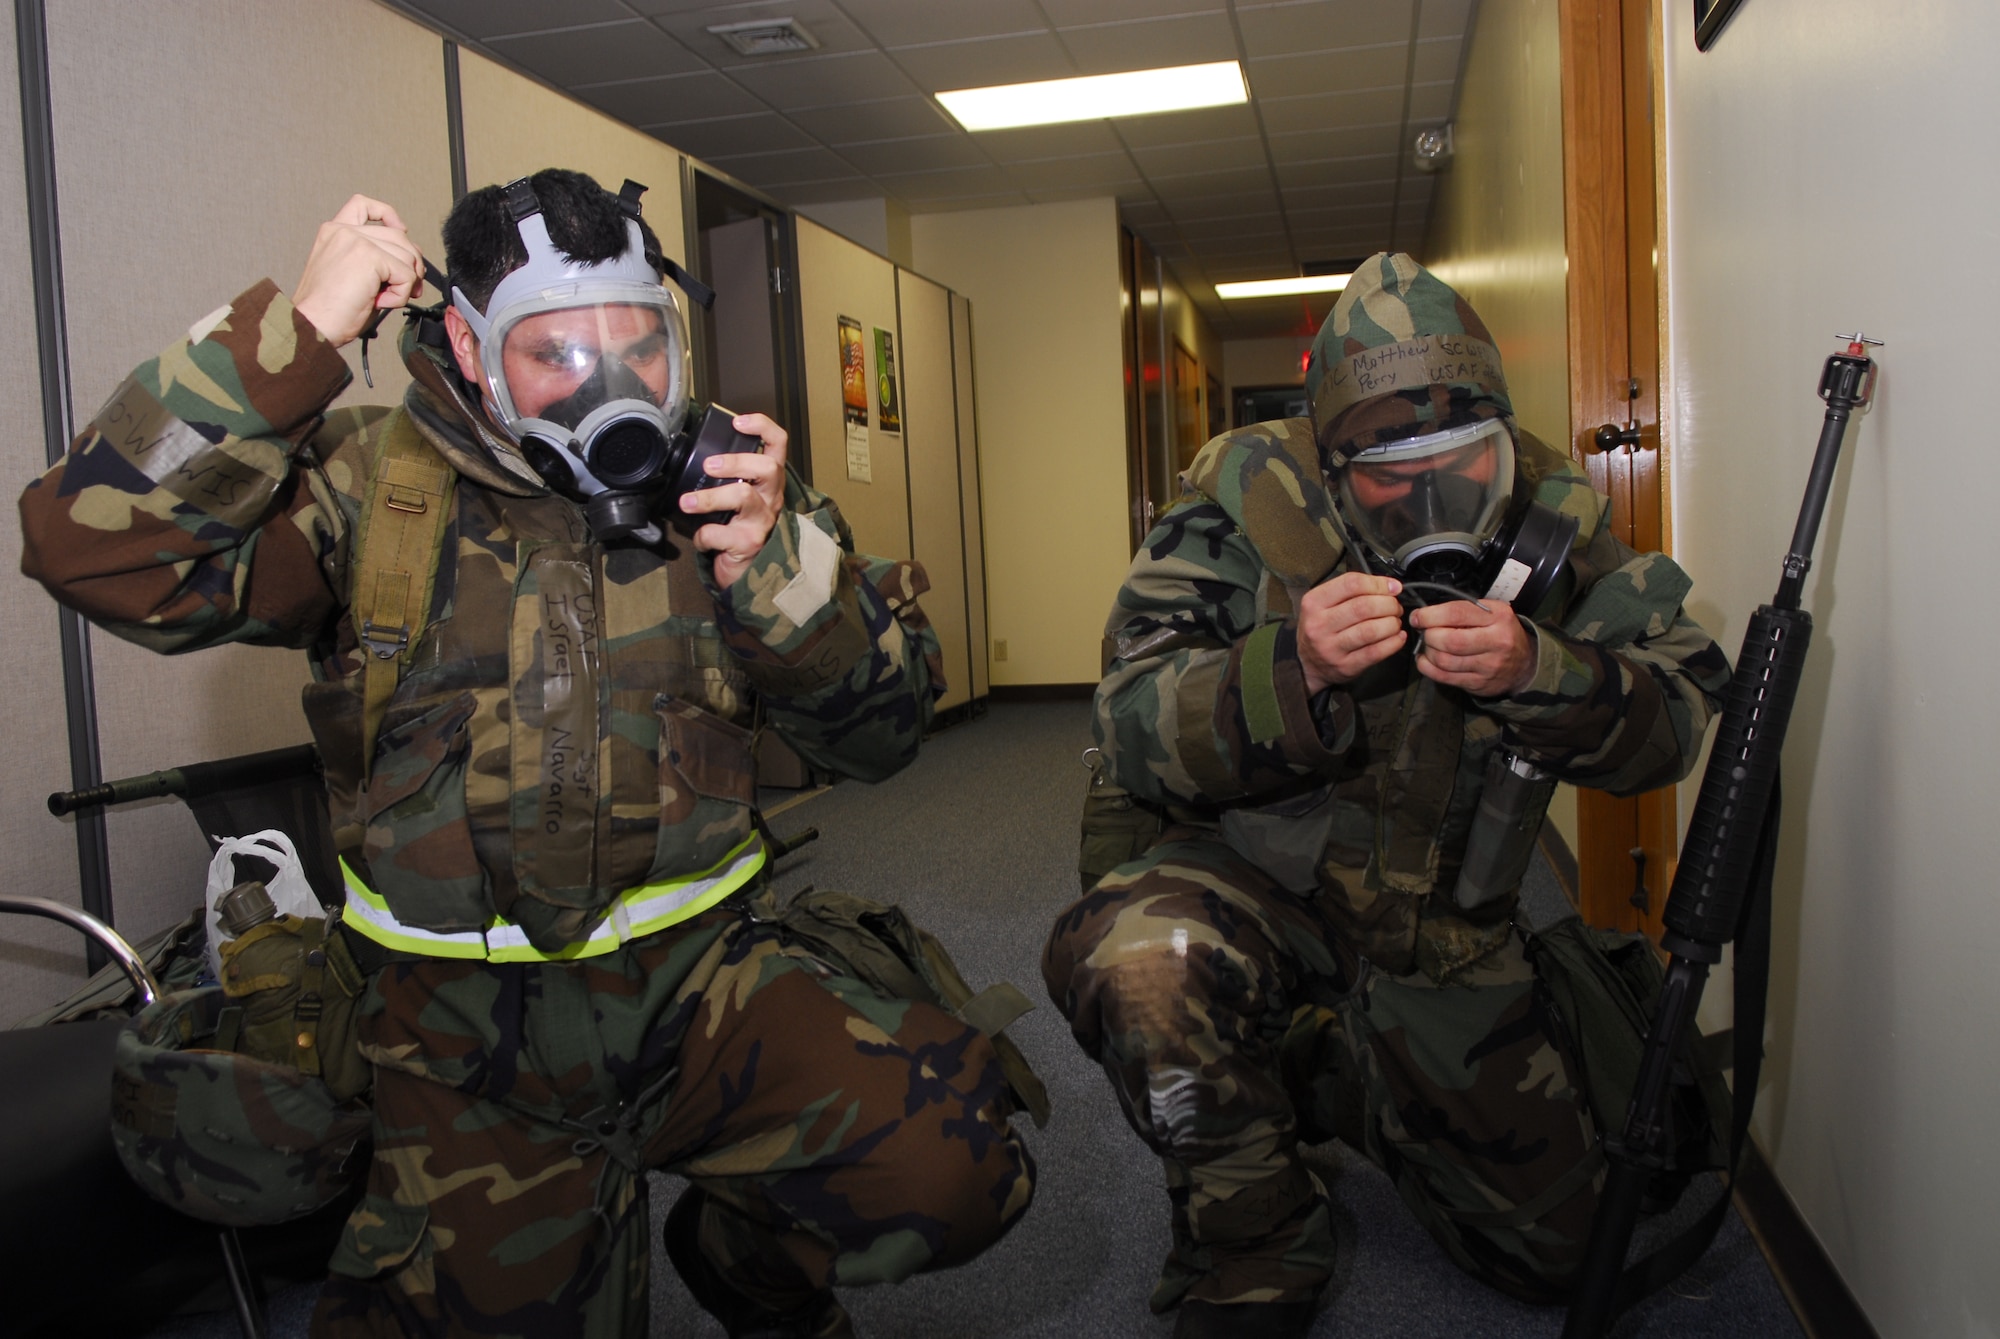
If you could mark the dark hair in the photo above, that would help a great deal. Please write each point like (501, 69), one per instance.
(482, 246)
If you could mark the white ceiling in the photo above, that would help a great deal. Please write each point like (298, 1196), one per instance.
(1315, 168)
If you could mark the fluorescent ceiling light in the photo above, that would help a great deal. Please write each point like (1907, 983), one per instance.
(1281, 288)
(1095, 96)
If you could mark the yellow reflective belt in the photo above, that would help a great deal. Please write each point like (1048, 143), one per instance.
(633, 914)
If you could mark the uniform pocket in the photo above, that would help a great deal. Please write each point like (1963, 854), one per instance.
(708, 783)
(381, 1235)
(417, 839)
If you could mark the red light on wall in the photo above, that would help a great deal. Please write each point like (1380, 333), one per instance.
(1305, 361)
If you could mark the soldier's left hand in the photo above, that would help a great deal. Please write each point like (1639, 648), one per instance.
(1487, 652)
(756, 494)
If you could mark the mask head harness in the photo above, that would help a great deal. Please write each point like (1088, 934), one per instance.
(1440, 510)
(586, 364)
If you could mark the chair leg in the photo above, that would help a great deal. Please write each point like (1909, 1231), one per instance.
(249, 1312)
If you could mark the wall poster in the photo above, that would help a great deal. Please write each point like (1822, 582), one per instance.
(889, 411)
(854, 400)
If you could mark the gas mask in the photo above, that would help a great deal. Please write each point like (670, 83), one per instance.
(587, 365)
(1439, 510)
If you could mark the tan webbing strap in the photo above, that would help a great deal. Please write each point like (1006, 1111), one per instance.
(395, 562)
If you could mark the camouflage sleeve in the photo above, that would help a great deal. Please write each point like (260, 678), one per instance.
(176, 520)
(1203, 702)
(842, 657)
(1624, 684)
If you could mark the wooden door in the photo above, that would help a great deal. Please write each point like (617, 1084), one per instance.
(1610, 52)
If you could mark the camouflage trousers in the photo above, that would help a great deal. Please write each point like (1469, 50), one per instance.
(842, 1138)
(1234, 1026)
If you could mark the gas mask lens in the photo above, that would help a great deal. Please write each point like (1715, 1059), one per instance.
(1432, 503)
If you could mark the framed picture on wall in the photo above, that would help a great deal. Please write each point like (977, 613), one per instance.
(888, 407)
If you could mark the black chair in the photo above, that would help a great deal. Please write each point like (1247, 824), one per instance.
(83, 1251)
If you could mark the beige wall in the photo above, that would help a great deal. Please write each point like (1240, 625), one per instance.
(38, 960)
(515, 126)
(840, 278)
(1817, 180)
(1043, 280)
(1264, 362)
(1496, 227)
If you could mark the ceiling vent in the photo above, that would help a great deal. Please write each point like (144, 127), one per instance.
(765, 37)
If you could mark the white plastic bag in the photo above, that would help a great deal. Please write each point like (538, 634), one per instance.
(290, 893)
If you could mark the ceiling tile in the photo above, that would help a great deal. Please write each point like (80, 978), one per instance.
(1028, 143)
(1336, 184)
(1338, 218)
(1437, 60)
(1186, 127)
(929, 153)
(820, 18)
(1142, 211)
(1265, 228)
(1328, 111)
(1224, 205)
(1221, 155)
(1333, 197)
(1108, 173)
(998, 200)
(1309, 145)
(1430, 102)
(839, 188)
(895, 23)
(1329, 172)
(763, 132)
(823, 80)
(1446, 18)
(1322, 25)
(778, 169)
(947, 182)
(496, 18)
(887, 118)
(1329, 71)
(997, 60)
(1069, 13)
(599, 55)
(1231, 182)
(679, 97)
(1188, 39)
(1054, 195)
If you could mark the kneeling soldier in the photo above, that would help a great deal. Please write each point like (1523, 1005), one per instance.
(1320, 943)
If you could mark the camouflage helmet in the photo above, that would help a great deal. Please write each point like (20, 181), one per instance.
(226, 1138)
(1400, 355)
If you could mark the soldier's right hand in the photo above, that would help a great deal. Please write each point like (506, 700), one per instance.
(1346, 625)
(362, 259)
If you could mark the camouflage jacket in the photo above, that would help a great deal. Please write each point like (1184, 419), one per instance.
(1204, 708)
(571, 721)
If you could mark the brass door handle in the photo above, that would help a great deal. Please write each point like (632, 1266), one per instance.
(1610, 437)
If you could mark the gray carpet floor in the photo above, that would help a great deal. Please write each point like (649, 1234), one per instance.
(977, 840)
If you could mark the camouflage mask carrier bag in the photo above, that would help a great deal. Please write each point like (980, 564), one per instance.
(243, 1104)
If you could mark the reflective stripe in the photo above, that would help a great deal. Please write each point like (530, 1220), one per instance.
(634, 914)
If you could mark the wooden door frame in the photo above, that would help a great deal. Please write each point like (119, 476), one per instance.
(1612, 123)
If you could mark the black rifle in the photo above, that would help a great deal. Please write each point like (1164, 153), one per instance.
(1721, 891)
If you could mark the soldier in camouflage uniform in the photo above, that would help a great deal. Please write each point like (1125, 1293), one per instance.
(1287, 963)
(549, 847)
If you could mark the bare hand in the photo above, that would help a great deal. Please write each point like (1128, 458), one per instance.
(1346, 625)
(756, 494)
(362, 260)
(1487, 652)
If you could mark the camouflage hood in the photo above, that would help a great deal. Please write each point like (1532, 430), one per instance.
(456, 423)
(1400, 355)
